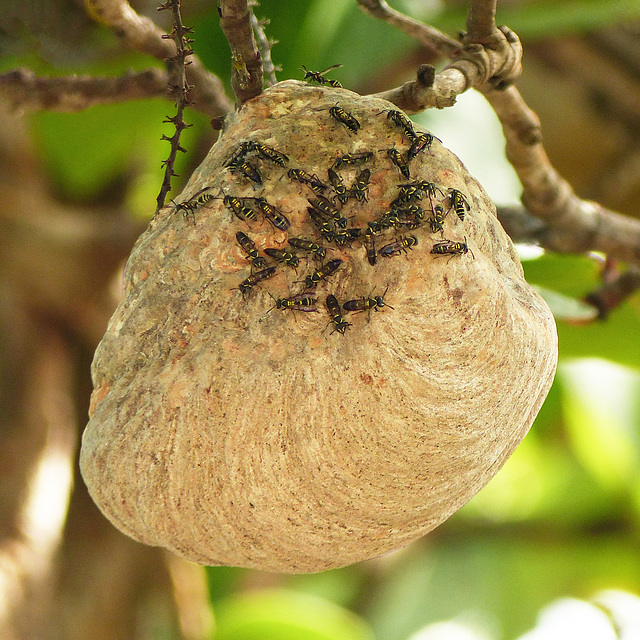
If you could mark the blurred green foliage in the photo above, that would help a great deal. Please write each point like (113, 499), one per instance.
(561, 517)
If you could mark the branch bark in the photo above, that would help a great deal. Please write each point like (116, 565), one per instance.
(246, 68)
(572, 225)
(142, 34)
(23, 89)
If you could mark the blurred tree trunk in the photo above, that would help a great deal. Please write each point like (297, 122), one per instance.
(65, 571)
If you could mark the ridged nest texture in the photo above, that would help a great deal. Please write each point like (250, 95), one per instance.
(234, 432)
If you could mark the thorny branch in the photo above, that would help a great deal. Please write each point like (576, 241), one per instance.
(179, 90)
(571, 225)
(246, 68)
(142, 34)
(23, 89)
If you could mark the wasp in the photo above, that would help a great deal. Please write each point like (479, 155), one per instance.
(188, 207)
(246, 285)
(437, 221)
(308, 245)
(333, 307)
(344, 117)
(367, 304)
(322, 273)
(248, 171)
(269, 153)
(353, 158)
(342, 193)
(372, 253)
(421, 142)
(238, 156)
(430, 188)
(325, 228)
(361, 185)
(273, 215)
(281, 255)
(397, 247)
(239, 208)
(410, 210)
(374, 228)
(402, 121)
(408, 193)
(399, 161)
(311, 180)
(318, 76)
(326, 207)
(249, 247)
(345, 236)
(451, 248)
(459, 203)
(299, 302)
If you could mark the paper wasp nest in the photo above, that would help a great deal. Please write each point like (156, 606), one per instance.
(236, 420)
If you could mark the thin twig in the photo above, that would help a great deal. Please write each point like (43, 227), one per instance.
(142, 34)
(23, 89)
(246, 68)
(179, 90)
(264, 45)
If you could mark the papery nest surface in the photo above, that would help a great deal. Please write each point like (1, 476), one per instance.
(232, 429)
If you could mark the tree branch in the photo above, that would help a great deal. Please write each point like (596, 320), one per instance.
(23, 89)
(179, 90)
(572, 225)
(264, 45)
(142, 34)
(246, 71)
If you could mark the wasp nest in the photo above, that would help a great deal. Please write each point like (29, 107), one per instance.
(324, 349)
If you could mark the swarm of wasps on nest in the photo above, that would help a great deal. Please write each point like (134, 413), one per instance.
(419, 207)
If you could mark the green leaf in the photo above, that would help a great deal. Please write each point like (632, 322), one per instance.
(286, 615)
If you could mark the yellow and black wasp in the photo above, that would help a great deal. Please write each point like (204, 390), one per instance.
(247, 170)
(318, 76)
(269, 153)
(239, 207)
(451, 248)
(298, 302)
(333, 307)
(249, 247)
(345, 118)
(374, 303)
(322, 273)
(459, 203)
(345, 236)
(400, 161)
(402, 121)
(259, 276)
(315, 249)
(282, 255)
(397, 247)
(361, 185)
(273, 214)
(339, 188)
(323, 225)
(327, 208)
(421, 142)
(437, 221)
(239, 155)
(198, 199)
(352, 158)
(311, 181)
